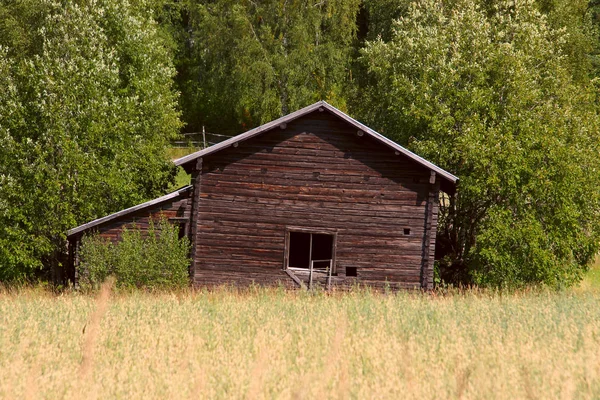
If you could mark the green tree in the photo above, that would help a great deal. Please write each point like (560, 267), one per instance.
(250, 62)
(380, 15)
(487, 91)
(85, 120)
(575, 18)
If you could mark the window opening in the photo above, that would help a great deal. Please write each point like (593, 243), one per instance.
(351, 271)
(181, 230)
(312, 251)
(181, 224)
(299, 250)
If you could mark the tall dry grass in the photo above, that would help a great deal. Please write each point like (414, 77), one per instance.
(93, 328)
(276, 344)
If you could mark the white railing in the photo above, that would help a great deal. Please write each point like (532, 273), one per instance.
(328, 270)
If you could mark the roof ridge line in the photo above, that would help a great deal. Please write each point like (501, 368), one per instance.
(303, 111)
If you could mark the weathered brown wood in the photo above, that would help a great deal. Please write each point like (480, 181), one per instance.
(197, 177)
(429, 235)
(295, 278)
(312, 177)
(73, 260)
(318, 172)
(141, 219)
(432, 178)
(174, 206)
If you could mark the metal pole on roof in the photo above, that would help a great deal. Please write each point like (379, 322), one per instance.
(203, 136)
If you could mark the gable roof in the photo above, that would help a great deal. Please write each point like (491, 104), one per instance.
(126, 211)
(187, 160)
(448, 183)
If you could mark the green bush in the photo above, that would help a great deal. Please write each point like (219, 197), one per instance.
(156, 259)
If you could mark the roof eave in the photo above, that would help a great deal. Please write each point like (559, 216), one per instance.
(297, 114)
(395, 146)
(250, 134)
(99, 221)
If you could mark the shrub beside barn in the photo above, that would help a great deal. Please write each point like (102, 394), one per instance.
(313, 198)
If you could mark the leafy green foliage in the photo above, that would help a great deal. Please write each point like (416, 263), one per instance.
(85, 119)
(488, 92)
(580, 44)
(498, 92)
(251, 62)
(381, 17)
(153, 259)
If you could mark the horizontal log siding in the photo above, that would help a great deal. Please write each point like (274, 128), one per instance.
(316, 173)
(432, 237)
(178, 207)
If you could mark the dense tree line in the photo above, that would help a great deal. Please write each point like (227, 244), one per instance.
(502, 93)
(87, 108)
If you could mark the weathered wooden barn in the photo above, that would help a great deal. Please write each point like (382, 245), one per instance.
(313, 198)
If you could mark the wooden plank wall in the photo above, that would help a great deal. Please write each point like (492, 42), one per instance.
(193, 207)
(178, 207)
(431, 216)
(316, 172)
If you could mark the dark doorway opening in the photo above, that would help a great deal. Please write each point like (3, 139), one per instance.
(299, 250)
(308, 247)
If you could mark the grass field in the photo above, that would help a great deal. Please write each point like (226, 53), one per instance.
(177, 152)
(269, 343)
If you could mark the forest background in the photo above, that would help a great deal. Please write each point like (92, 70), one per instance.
(504, 94)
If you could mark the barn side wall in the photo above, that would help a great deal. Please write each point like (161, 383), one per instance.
(177, 210)
(315, 173)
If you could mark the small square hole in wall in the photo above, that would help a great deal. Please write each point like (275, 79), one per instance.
(407, 231)
(351, 271)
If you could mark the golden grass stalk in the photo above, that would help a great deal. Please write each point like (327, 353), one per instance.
(92, 328)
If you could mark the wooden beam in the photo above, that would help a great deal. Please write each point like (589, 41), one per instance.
(292, 275)
(432, 177)
(73, 259)
(196, 182)
(429, 238)
(127, 211)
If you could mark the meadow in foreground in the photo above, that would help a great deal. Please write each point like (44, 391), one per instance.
(269, 343)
